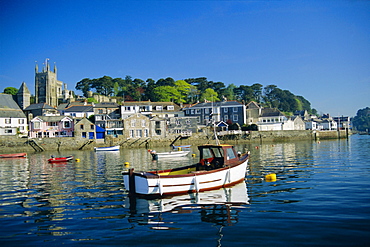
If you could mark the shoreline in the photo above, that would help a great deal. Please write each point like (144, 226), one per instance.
(11, 144)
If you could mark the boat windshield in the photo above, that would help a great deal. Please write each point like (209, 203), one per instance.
(212, 152)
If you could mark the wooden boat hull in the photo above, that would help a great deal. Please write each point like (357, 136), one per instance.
(148, 184)
(60, 159)
(16, 155)
(113, 148)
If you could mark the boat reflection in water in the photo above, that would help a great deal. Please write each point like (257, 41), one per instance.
(216, 206)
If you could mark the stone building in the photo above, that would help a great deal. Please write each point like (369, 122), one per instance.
(48, 89)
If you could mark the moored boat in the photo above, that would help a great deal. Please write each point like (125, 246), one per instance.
(219, 166)
(181, 146)
(60, 159)
(113, 148)
(16, 155)
(172, 154)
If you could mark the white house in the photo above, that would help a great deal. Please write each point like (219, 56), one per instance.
(12, 119)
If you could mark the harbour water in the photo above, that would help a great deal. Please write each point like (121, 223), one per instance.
(321, 197)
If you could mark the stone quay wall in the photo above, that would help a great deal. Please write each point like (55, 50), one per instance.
(11, 144)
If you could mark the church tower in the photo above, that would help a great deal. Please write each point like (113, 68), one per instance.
(23, 97)
(47, 88)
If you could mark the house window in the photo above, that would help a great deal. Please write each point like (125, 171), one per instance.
(36, 125)
(235, 117)
(226, 117)
(197, 111)
(235, 109)
(21, 128)
(146, 133)
(206, 111)
(198, 119)
(225, 109)
(21, 121)
(67, 124)
(139, 133)
(188, 121)
(8, 120)
(157, 124)
(192, 112)
(177, 122)
(158, 108)
(100, 111)
(143, 123)
(8, 131)
(133, 122)
(132, 134)
(52, 124)
(81, 127)
(92, 127)
(170, 108)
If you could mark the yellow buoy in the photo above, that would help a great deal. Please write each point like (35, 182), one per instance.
(270, 177)
(127, 164)
(179, 149)
(193, 155)
(77, 160)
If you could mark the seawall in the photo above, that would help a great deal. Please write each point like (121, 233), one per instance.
(11, 144)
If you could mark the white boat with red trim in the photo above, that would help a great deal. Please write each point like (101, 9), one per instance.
(219, 166)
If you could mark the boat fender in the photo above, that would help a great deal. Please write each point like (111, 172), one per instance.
(127, 164)
(77, 160)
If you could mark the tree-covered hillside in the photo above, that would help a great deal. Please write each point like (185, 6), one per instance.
(361, 121)
(192, 90)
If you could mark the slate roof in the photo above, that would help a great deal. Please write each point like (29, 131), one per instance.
(38, 106)
(271, 112)
(80, 108)
(232, 103)
(9, 108)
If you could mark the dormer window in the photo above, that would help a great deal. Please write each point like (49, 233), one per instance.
(158, 108)
(170, 108)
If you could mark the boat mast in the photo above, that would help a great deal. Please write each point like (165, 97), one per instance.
(214, 125)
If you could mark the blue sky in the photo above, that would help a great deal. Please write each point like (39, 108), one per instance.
(317, 49)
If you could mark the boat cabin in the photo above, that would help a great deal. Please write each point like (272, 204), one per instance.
(217, 156)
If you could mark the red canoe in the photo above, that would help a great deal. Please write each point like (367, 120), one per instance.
(17, 155)
(60, 159)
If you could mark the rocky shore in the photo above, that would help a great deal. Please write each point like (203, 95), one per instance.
(10, 144)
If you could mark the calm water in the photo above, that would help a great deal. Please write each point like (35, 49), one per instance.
(321, 197)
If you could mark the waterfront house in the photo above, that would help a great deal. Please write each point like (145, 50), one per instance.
(227, 111)
(136, 126)
(51, 126)
(182, 125)
(343, 122)
(86, 129)
(79, 111)
(151, 109)
(40, 109)
(107, 116)
(13, 121)
(253, 113)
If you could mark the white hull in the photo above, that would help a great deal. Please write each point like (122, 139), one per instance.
(192, 182)
(235, 195)
(113, 148)
(172, 154)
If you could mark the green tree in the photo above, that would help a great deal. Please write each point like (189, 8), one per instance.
(84, 85)
(361, 121)
(184, 89)
(167, 94)
(210, 95)
(10, 90)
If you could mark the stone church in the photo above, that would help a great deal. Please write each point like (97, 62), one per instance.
(48, 89)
